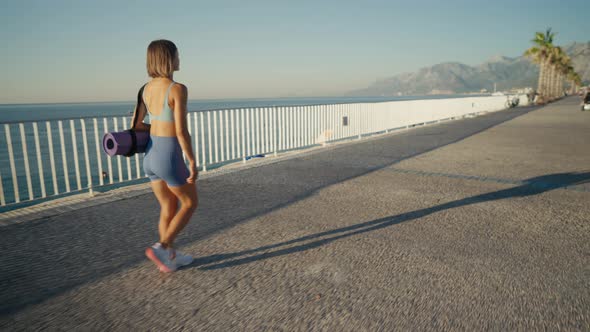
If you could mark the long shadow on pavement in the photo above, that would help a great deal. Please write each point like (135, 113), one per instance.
(530, 187)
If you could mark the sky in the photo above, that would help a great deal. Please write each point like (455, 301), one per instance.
(94, 51)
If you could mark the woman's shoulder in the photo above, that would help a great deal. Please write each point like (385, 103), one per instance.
(179, 89)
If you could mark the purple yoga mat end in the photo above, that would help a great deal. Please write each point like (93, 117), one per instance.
(119, 143)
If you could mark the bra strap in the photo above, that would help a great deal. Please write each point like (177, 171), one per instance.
(167, 94)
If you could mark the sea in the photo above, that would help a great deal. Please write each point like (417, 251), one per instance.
(12, 113)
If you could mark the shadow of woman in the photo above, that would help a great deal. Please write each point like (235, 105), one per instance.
(529, 187)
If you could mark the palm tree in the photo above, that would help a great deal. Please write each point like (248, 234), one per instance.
(563, 61)
(537, 56)
(548, 74)
(566, 64)
(572, 78)
(555, 60)
(539, 53)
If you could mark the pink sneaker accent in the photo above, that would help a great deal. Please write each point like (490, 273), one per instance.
(161, 257)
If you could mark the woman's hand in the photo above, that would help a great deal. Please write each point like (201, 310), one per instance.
(194, 173)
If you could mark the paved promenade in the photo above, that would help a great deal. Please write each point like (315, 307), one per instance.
(475, 224)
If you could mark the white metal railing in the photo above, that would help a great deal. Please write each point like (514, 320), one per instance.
(220, 136)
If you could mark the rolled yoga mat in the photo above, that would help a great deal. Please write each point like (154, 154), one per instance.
(120, 143)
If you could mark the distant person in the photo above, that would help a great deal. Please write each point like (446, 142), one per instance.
(172, 183)
(585, 99)
(536, 98)
(531, 96)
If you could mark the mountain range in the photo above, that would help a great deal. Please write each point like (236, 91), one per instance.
(453, 77)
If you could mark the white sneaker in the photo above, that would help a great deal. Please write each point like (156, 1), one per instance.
(183, 259)
(161, 257)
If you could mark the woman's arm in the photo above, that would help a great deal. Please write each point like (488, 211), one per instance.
(141, 113)
(180, 95)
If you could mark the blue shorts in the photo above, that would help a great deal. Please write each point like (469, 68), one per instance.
(163, 161)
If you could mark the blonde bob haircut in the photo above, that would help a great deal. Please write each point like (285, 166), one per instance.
(160, 58)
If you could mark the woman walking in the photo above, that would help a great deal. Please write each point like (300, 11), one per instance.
(165, 102)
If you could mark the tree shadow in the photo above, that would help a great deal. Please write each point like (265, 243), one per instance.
(529, 187)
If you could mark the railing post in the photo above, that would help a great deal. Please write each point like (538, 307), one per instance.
(360, 119)
(11, 160)
(98, 152)
(51, 157)
(266, 147)
(63, 156)
(242, 120)
(196, 133)
(119, 165)
(203, 154)
(85, 142)
(215, 136)
(2, 198)
(325, 124)
(209, 134)
(26, 160)
(39, 160)
(275, 134)
(233, 133)
(258, 125)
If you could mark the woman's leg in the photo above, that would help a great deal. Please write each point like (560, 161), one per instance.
(187, 196)
(168, 204)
